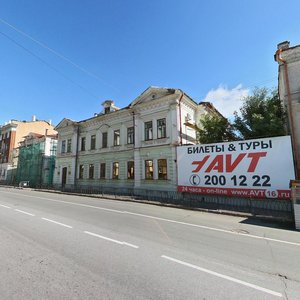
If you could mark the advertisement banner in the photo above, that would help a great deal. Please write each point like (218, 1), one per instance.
(260, 168)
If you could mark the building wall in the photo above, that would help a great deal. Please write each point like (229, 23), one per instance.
(152, 105)
(292, 57)
(12, 134)
(66, 159)
(24, 128)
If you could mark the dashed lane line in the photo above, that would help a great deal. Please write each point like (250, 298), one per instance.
(57, 223)
(165, 220)
(111, 240)
(5, 206)
(232, 279)
(24, 212)
(68, 226)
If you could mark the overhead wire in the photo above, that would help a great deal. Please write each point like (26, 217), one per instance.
(61, 56)
(48, 65)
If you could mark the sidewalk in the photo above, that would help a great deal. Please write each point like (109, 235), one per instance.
(285, 222)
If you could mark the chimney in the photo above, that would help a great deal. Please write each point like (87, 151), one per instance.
(283, 45)
(33, 118)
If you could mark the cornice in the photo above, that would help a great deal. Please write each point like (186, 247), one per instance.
(163, 102)
(291, 55)
(108, 119)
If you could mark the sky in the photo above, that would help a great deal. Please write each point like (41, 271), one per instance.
(63, 58)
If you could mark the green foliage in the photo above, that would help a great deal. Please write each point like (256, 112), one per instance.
(214, 129)
(261, 115)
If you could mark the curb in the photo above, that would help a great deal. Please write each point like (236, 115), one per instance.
(279, 220)
(156, 203)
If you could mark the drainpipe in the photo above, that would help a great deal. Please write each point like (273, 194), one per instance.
(133, 121)
(180, 123)
(76, 158)
(291, 117)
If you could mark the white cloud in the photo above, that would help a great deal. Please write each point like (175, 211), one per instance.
(226, 100)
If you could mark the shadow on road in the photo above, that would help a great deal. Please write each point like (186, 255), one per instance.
(288, 225)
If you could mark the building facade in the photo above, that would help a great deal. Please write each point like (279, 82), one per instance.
(129, 149)
(288, 59)
(12, 134)
(36, 159)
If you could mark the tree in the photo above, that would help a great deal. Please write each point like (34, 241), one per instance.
(214, 129)
(261, 115)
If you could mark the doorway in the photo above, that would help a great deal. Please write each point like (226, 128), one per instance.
(64, 176)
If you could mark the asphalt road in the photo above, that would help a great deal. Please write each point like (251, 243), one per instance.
(56, 246)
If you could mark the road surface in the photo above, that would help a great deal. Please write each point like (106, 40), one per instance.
(56, 246)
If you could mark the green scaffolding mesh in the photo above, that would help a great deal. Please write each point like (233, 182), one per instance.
(34, 166)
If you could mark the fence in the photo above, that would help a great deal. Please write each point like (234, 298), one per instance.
(273, 208)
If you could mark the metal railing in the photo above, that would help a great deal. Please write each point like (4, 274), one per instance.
(276, 208)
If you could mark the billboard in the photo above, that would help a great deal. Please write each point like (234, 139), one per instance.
(260, 168)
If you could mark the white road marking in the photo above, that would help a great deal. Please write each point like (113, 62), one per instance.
(214, 229)
(58, 223)
(163, 219)
(24, 212)
(131, 245)
(256, 287)
(111, 240)
(4, 206)
(72, 203)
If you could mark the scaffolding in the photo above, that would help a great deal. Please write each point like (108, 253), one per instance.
(34, 166)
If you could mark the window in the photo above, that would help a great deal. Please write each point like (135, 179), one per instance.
(116, 137)
(53, 147)
(102, 171)
(93, 142)
(91, 171)
(63, 146)
(83, 144)
(69, 143)
(115, 170)
(130, 169)
(162, 169)
(148, 131)
(161, 128)
(130, 135)
(81, 170)
(104, 140)
(148, 169)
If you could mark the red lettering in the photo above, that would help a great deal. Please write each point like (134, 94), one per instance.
(216, 164)
(200, 163)
(231, 166)
(255, 157)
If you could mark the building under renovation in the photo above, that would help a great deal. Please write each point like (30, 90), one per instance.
(12, 134)
(36, 159)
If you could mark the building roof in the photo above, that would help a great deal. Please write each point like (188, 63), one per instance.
(142, 97)
(210, 106)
